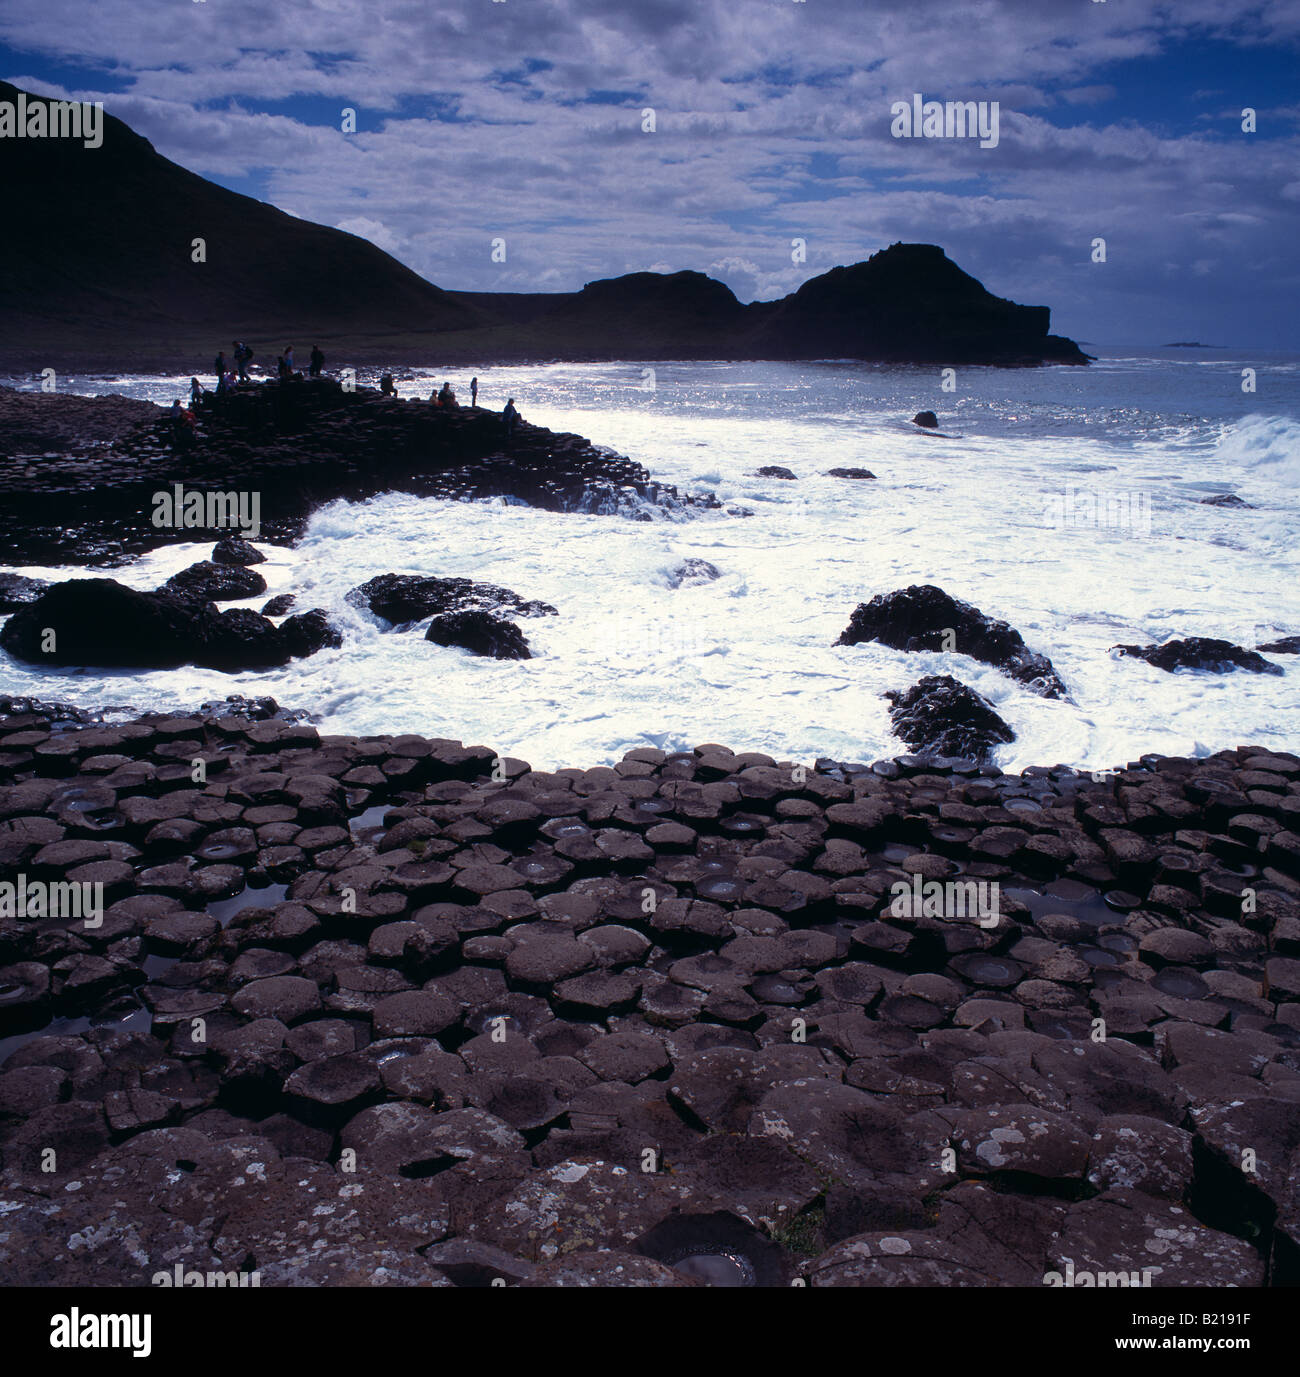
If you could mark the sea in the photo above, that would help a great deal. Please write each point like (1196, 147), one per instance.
(1067, 501)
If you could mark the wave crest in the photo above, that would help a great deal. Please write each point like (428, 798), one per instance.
(1258, 441)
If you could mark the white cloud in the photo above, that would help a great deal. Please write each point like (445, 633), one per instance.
(772, 122)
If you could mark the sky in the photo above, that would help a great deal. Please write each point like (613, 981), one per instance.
(524, 121)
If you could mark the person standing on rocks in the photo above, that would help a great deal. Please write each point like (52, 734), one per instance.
(510, 416)
(242, 356)
(288, 358)
(219, 367)
(473, 393)
(317, 362)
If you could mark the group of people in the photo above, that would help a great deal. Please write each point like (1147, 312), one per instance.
(284, 369)
(229, 374)
(227, 377)
(445, 397)
(236, 370)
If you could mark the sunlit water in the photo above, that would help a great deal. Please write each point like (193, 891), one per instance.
(750, 660)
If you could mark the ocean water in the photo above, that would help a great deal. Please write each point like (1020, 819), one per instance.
(1065, 500)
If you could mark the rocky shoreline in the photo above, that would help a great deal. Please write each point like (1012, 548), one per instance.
(392, 1010)
(80, 474)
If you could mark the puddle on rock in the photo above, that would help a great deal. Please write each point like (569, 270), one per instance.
(715, 1269)
(993, 972)
(223, 910)
(220, 851)
(570, 827)
(1070, 897)
(719, 887)
(134, 1020)
(770, 989)
(1099, 956)
(368, 826)
(1182, 982)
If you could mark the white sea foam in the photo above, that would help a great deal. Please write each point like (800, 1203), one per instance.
(750, 659)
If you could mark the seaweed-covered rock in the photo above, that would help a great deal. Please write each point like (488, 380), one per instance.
(776, 471)
(941, 717)
(1200, 652)
(927, 419)
(481, 633)
(923, 617)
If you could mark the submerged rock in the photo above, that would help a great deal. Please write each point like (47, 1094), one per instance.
(924, 617)
(691, 571)
(776, 471)
(940, 716)
(1201, 652)
(278, 605)
(481, 633)
(1225, 499)
(849, 473)
(399, 598)
(1286, 645)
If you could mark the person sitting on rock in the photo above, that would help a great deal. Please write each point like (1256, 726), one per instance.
(317, 362)
(510, 416)
(182, 426)
(386, 386)
(447, 398)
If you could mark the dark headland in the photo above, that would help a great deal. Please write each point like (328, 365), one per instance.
(97, 272)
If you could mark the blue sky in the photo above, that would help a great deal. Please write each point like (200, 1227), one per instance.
(521, 119)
